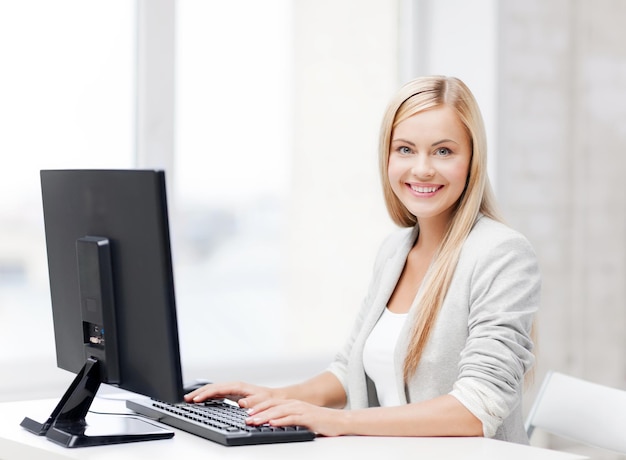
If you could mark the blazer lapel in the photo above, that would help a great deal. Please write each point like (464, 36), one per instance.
(390, 272)
(393, 269)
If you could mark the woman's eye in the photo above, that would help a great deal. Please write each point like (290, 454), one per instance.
(443, 151)
(404, 150)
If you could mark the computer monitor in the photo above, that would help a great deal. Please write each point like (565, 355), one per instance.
(112, 295)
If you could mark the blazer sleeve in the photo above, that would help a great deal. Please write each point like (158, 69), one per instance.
(504, 297)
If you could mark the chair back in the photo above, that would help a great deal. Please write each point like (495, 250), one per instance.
(576, 409)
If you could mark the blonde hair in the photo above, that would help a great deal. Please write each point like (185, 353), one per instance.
(414, 97)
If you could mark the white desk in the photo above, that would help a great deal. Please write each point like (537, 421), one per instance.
(17, 443)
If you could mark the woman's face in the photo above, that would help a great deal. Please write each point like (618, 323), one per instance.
(429, 161)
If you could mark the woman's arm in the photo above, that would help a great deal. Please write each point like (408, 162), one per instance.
(316, 404)
(504, 299)
(323, 390)
(441, 416)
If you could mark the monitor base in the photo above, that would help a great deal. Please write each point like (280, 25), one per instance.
(106, 429)
(67, 423)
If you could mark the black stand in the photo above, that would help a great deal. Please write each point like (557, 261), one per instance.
(67, 425)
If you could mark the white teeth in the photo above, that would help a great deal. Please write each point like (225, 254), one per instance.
(423, 189)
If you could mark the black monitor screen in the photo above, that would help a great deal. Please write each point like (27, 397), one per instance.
(109, 262)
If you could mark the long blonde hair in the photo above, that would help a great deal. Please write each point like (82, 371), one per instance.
(414, 97)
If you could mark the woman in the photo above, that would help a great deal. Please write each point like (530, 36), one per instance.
(442, 342)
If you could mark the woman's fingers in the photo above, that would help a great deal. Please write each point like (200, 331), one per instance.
(247, 395)
(277, 412)
(253, 400)
(218, 390)
(268, 410)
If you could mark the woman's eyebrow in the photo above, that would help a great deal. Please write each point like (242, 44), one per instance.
(403, 141)
(443, 141)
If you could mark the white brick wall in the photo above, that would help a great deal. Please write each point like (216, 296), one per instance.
(561, 170)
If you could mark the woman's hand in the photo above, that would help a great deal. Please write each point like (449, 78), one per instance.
(284, 412)
(305, 404)
(246, 394)
(268, 405)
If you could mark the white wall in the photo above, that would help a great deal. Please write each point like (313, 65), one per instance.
(561, 107)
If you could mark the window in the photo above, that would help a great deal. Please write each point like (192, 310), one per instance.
(231, 177)
(67, 102)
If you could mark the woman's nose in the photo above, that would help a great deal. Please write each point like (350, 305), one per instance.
(423, 167)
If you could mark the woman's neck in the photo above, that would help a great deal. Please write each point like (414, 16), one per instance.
(431, 233)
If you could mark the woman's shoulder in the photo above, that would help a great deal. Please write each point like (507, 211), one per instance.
(488, 234)
(488, 229)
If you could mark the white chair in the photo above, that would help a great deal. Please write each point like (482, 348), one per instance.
(582, 411)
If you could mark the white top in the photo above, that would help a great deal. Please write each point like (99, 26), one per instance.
(378, 356)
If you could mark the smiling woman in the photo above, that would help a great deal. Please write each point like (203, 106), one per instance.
(463, 287)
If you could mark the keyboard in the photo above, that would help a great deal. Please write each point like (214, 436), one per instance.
(217, 420)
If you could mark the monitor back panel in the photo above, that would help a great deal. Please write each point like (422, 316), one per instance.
(129, 207)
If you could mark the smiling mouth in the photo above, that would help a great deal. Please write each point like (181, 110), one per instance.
(422, 189)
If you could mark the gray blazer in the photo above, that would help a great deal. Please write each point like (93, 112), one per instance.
(480, 347)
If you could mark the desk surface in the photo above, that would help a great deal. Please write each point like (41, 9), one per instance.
(17, 443)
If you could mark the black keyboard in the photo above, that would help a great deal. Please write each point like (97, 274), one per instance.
(219, 421)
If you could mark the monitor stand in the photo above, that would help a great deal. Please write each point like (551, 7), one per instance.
(68, 427)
